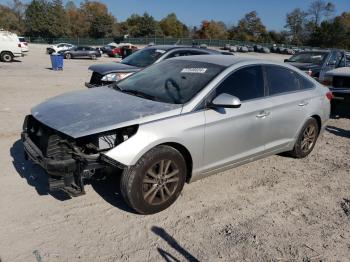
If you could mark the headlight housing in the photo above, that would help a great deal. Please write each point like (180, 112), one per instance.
(113, 77)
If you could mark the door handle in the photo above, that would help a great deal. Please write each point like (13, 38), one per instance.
(303, 103)
(263, 114)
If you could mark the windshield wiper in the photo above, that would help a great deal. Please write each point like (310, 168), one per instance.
(139, 94)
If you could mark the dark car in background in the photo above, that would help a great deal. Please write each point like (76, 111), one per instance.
(317, 63)
(338, 81)
(105, 74)
(81, 52)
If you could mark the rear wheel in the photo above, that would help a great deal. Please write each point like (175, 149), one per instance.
(93, 57)
(68, 56)
(156, 181)
(306, 140)
(6, 57)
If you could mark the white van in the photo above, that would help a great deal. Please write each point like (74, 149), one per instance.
(10, 46)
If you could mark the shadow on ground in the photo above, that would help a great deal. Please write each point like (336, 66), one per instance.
(34, 175)
(338, 131)
(174, 244)
(107, 187)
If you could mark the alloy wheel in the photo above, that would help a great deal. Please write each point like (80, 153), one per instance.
(160, 182)
(309, 138)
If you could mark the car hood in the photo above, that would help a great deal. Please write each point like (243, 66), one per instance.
(96, 110)
(305, 66)
(104, 69)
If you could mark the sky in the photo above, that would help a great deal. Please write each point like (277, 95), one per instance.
(192, 12)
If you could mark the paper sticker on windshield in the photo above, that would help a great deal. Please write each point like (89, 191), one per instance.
(194, 70)
(160, 51)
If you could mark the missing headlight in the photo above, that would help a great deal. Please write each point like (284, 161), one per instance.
(116, 137)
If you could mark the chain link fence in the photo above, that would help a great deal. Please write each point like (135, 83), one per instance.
(146, 41)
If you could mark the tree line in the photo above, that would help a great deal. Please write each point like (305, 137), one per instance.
(316, 26)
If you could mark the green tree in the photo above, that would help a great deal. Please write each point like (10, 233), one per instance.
(140, 26)
(97, 18)
(9, 20)
(212, 29)
(295, 23)
(249, 28)
(58, 19)
(37, 19)
(171, 26)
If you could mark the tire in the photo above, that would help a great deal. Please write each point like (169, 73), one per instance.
(146, 189)
(301, 147)
(93, 57)
(6, 57)
(68, 56)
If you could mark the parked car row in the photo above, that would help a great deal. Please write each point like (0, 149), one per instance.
(11, 46)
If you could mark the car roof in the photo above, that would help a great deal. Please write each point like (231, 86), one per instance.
(221, 60)
(172, 47)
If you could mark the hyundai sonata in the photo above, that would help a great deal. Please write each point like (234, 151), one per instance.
(175, 122)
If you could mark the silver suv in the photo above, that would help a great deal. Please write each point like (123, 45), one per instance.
(174, 122)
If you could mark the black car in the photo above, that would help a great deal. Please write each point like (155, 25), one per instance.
(105, 74)
(81, 52)
(317, 63)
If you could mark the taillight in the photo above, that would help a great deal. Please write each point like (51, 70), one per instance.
(329, 95)
(327, 82)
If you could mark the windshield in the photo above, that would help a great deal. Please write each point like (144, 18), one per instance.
(171, 81)
(309, 58)
(144, 57)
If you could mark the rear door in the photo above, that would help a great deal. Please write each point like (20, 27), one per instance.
(289, 98)
(236, 134)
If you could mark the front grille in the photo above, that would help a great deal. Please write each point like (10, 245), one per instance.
(51, 143)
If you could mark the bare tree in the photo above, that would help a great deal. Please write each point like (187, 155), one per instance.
(319, 9)
(295, 22)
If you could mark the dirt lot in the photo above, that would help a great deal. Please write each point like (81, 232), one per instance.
(276, 209)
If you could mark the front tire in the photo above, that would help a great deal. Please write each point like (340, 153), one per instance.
(306, 140)
(6, 57)
(156, 181)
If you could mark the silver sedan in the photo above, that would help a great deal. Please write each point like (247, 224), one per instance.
(175, 122)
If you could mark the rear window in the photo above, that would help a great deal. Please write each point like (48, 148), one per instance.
(309, 58)
(283, 80)
(22, 39)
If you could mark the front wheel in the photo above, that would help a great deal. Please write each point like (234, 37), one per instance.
(6, 57)
(156, 181)
(306, 140)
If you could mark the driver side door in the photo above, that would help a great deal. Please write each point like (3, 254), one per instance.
(235, 135)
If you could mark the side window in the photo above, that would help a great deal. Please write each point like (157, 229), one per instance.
(335, 58)
(281, 80)
(80, 48)
(304, 83)
(185, 53)
(246, 83)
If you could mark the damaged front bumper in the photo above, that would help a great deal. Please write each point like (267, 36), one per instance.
(67, 174)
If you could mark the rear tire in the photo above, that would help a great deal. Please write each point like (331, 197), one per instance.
(156, 181)
(68, 56)
(6, 57)
(93, 57)
(306, 140)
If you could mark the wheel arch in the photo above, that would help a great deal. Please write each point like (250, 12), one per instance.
(319, 122)
(186, 155)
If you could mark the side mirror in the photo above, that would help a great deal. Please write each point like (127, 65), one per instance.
(225, 101)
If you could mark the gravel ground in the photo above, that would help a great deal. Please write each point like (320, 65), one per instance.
(275, 209)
